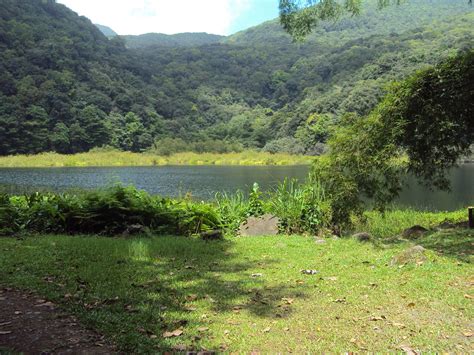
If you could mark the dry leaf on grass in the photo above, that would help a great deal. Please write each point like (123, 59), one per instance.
(408, 350)
(174, 333)
(191, 298)
(399, 325)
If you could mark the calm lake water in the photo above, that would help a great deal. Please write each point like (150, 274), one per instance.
(204, 181)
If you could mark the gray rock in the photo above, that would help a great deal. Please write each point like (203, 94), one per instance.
(414, 232)
(256, 226)
(412, 255)
(362, 237)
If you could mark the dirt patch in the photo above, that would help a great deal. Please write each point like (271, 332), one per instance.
(32, 325)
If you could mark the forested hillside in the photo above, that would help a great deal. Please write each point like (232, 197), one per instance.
(177, 40)
(65, 87)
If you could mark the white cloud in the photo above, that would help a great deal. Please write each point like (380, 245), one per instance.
(163, 16)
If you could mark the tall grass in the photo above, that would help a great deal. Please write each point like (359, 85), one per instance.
(118, 158)
(302, 208)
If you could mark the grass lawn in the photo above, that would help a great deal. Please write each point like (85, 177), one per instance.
(248, 294)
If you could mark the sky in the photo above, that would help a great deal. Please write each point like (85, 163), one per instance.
(135, 17)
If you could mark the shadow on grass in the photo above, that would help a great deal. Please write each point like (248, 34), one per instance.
(457, 243)
(135, 290)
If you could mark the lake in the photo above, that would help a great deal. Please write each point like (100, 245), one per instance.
(204, 181)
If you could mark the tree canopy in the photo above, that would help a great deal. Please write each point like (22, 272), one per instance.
(66, 87)
(299, 18)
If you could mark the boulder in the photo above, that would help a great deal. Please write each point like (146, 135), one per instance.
(414, 232)
(412, 255)
(255, 226)
(362, 237)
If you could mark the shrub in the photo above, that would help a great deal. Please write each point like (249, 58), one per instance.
(302, 208)
(112, 211)
(233, 209)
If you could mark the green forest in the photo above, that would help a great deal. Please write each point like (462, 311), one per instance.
(68, 88)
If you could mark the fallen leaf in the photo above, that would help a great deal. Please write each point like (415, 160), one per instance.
(468, 334)
(153, 336)
(340, 300)
(266, 330)
(18, 312)
(331, 278)
(411, 304)
(377, 318)
(399, 325)
(191, 298)
(5, 323)
(257, 275)
(469, 297)
(286, 329)
(226, 332)
(288, 300)
(45, 304)
(5, 332)
(174, 333)
(407, 349)
(309, 272)
(202, 329)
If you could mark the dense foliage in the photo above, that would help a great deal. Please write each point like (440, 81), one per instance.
(65, 87)
(117, 210)
(423, 126)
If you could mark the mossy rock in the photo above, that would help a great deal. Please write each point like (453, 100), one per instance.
(412, 255)
(414, 232)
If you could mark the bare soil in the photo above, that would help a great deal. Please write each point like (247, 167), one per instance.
(32, 325)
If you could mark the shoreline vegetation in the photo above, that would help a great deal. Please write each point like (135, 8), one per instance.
(119, 158)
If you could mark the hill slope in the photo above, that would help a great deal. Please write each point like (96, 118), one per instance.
(176, 40)
(65, 87)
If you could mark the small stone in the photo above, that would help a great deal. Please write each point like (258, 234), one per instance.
(362, 237)
(212, 235)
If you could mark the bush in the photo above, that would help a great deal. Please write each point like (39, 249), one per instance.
(112, 211)
(233, 209)
(284, 145)
(169, 146)
(302, 208)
